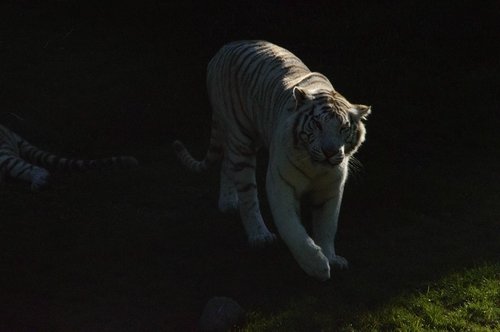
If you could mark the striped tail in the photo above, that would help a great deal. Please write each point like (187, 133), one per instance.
(51, 161)
(214, 153)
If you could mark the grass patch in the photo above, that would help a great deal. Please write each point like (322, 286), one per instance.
(466, 301)
(463, 301)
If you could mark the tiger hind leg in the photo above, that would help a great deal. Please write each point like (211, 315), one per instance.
(241, 169)
(18, 168)
(40, 178)
(228, 195)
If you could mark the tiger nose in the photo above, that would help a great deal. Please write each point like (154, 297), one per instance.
(330, 152)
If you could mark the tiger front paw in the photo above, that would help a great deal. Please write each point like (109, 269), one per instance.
(228, 199)
(40, 179)
(228, 205)
(312, 260)
(261, 240)
(339, 263)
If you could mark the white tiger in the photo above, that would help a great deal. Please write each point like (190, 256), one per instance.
(263, 95)
(21, 160)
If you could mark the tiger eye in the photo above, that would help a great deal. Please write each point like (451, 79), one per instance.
(318, 124)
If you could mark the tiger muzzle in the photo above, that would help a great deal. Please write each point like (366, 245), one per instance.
(334, 156)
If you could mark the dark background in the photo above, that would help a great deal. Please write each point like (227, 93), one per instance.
(144, 249)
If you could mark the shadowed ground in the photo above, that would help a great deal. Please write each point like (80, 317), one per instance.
(144, 249)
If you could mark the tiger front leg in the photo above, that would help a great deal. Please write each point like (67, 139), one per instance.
(241, 170)
(285, 205)
(325, 221)
(325, 215)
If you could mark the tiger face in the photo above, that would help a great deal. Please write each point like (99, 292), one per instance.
(329, 127)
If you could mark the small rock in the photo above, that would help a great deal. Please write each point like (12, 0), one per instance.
(221, 314)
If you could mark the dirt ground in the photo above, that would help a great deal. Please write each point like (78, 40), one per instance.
(144, 249)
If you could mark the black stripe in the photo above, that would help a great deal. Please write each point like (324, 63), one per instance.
(218, 150)
(295, 130)
(318, 206)
(242, 65)
(238, 167)
(23, 170)
(241, 127)
(289, 184)
(47, 159)
(254, 76)
(272, 80)
(268, 70)
(253, 204)
(325, 109)
(14, 164)
(298, 168)
(5, 161)
(247, 187)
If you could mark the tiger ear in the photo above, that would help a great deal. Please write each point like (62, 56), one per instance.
(301, 96)
(360, 112)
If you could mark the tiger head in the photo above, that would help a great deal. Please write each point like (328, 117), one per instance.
(329, 127)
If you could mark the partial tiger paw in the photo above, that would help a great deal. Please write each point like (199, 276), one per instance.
(228, 196)
(39, 179)
(339, 263)
(228, 205)
(261, 240)
(312, 260)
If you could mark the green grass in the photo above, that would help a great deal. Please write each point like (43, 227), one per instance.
(463, 301)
